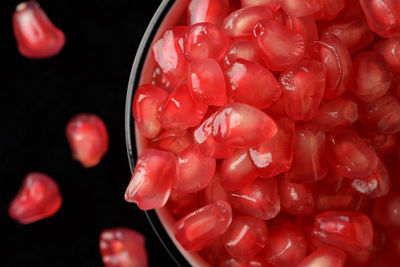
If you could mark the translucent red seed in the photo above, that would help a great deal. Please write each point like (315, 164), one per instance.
(173, 141)
(212, 11)
(386, 211)
(244, 49)
(326, 256)
(38, 198)
(390, 50)
(271, 4)
(329, 9)
(36, 36)
(300, 8)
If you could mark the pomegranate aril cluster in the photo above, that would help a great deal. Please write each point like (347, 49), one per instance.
(271, 132)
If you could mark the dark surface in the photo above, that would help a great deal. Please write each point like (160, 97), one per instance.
(38, 97)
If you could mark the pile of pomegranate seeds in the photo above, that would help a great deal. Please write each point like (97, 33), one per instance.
(272, 130)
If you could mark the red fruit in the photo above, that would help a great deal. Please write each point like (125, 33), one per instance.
(370, 77)
(244, 49)
(286, 245)
(332, 52)
(309, 164)
(88, 138)
(146, 102)
(259, 199)
(38, 198)
(195, 170)
(306, 26)
(252, 84)
(349, 155)
(213, 11)
(271, 4)
(275, 155)
(242, 125)
(303, 8)
(168, 54)
(281, 48)
(336, 113)
(205, 40)
(180, 111)
(213, 192)
(326, 256)
(180, 203)
(232, 262)
(199, 228)
(329, 9)
(351, 10)
(160, 79)
(173, 141)
(386, 211)
(206, 82)
(331, 184)
(390, 50)
(122, 247)
(151, 181)
(240, 23)
(296, 199)
(213, 252)
(237, 171)
(383, 16)
(383, 144)
(303, 89)
(344, 199)
(245, 237)
(350, 231)
(36, 35)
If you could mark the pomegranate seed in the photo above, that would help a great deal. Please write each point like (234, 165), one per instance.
(245, 237)
(390, 50)
(281, 47)
(160, 79)
(393, 245)
(206, 82)
(349, 155)
(88, 138)
(199, 228)
(277, 109)
(386, 211)
(173, 141)
(180, 203)
(228, 261)
(286, 245)
(329, 9)
(168, 54)
(331, 184)
(303, 8)
(247, 84)
(242, 125)
(146, 102)
(213, 192)
(349, 231)
(123, 247)
(195, 170)
(180, 111)
(326, 256)
(205, 40)
(237, 171)
(240, 23)
(384, 144)
(271, 4)
(259, 199)
(371, 76)
(38, 198)
(213, 252)
(213, 11)
(275, 155)
(332, 52)
(303, 89)
(151, 181)
(306, 26)
(336, 113)
(244, 49)
(383, 16)
(308, 164)
(36, 35)
(344, 199)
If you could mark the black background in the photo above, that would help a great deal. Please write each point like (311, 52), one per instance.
(38, 97)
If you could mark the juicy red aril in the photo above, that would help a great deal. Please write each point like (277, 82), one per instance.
(88, 138)
(275, 155)
(36, 35)
(245, 49)
(213, 11)
(329, 9)
(349, 155)
(232, 262)
(286, 245)
(386, 211)
(331, 183)
(303, 89)
(160, 79)
(173, 141)
(306, 26)
(202, 226)
(280, 47)
(38, 198)
(240, 23)
(148, 99)
(326, 256)
(371, 76)
(344, 199)
(390, 50)
(252, 84)
(213, 192)
(349, 231)
(384, 144)
(245, 237)
(206, 82)
(271, 4)
(383, 16)
(180, 203)
(195, 170)
(303, 8)
(123, 247)
(152, 179)
(180, 111)
(205, 40)
(259, 199)
(242, 125)
(309, 164)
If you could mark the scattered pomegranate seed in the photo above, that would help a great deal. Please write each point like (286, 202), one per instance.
(36, 35)
(123, 247)
(306, 26)
(38, 198)
(173, 141)
(344, 199)
(244, 49)
(326, 256)
(88, 138)
(213, 192)
(213, 11)
(303, 8)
